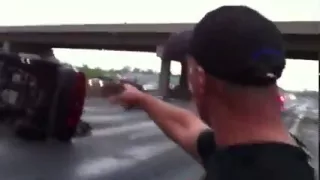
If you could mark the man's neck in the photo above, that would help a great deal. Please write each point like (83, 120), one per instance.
(232, 130)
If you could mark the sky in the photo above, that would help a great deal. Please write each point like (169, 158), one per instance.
(299, 75)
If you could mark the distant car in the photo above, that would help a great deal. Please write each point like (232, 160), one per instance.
(133, 83)
(284, 98)
(95, 82)
(150, 86)
(281, 99)
(104, 81)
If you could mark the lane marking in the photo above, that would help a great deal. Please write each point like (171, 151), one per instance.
(120, 130)
(113, 118)
(109, 164)
(102, 166)
(144, 134)
(295, 126)
(301, 111)
(100, 109)
(148, 151)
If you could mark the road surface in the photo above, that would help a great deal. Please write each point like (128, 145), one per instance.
(302, 119)
(124, 146)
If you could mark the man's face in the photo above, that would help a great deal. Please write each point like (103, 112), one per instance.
(196, 84)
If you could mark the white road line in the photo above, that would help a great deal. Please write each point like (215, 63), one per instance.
(109, 164)
(295, 127)
(120, 130)
(291, 106)
(113, 118)
(96, 109)
(102, 166)
(301, 111)
(150, 150)
(143, 134)
(93, 108)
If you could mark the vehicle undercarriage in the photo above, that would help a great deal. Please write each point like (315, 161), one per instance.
(40, 99)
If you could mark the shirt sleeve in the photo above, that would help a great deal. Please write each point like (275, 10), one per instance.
(206, 145)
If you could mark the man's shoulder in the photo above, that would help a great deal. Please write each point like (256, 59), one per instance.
(206, 145)
(270, 161)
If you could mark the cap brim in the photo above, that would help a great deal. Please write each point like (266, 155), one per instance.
(176, 47)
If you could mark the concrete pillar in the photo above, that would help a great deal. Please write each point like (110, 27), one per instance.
(6, 47)
(183, 91)
(183, 77)
(159, 51)
(164, 78)
(319, 60)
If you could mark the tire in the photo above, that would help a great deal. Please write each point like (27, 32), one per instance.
(70, 105)
(29, 132)
(66, 136)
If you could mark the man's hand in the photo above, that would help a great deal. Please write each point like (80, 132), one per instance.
(180, 125)
(130, 96)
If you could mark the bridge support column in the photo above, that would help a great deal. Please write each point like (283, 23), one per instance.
(164, 78)
(184, 92)
(6, 47)
(183, 77)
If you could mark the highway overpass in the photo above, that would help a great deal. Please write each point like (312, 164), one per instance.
(302, 40)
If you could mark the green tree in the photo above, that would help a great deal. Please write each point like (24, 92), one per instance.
(136, 70)
(126, 69)
(96, 72)
(91, 72)
(149, 71)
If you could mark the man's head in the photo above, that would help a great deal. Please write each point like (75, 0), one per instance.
(234, 54)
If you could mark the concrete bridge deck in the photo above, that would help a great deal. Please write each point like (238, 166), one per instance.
(302, 39)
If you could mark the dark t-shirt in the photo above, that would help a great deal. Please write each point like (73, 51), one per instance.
(268, 161)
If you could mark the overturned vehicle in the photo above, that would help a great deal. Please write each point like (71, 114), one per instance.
(40, 99)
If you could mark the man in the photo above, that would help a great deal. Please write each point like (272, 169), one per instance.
(235, 57)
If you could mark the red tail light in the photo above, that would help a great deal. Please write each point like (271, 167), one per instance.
(281, 98)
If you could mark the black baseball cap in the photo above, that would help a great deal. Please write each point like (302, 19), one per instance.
(236, 44)
(177, 46)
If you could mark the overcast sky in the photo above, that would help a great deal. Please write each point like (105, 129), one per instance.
(298, 75)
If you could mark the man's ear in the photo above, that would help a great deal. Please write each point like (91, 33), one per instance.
(190, 71)
(196, 76)
(201, 78)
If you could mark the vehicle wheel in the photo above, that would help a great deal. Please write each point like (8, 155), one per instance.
(27, 131)
(66, 136)
(65, 140)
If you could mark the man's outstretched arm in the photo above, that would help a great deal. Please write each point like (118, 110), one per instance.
(182, 126)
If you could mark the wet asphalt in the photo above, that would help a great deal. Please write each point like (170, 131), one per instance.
(126, 145)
